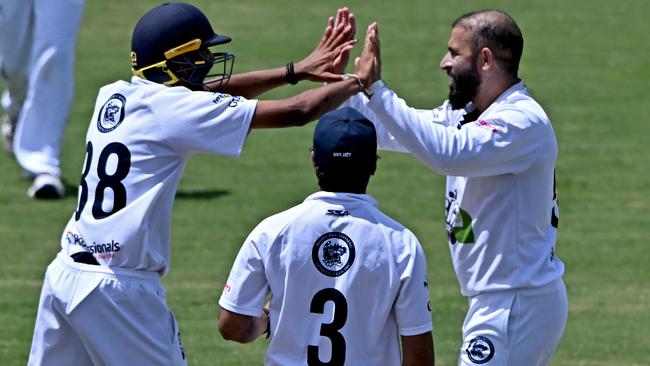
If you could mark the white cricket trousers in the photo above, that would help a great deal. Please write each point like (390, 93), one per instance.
(37, 52)
(515, 328)
(98, 315)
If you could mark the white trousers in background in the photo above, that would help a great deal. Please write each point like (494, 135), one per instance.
(98, 315)
(37, 50)
(514, 328)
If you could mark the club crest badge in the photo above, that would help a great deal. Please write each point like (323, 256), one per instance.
(111, 114)
(480, 350)
(333, 254)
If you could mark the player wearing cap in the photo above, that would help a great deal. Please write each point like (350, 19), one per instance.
(497, 147)
(102, 301)
(345, 279)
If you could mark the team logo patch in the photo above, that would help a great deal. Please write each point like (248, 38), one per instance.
(333, 254)
(458, 221)
(111, 114)
(480, 350)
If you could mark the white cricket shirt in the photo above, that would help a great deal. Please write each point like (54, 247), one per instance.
(501, 209)
(345, 279)
(139, 140)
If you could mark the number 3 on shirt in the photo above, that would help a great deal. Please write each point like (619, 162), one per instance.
(106, 181)
(330, 330)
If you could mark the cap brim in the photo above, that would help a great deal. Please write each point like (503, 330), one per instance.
(217, 39)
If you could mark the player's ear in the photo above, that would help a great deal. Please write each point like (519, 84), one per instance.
(313, 158)
(485, 59)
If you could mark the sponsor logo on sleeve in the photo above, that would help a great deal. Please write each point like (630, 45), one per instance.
(333, 254)
(111, 114)
(220, 97)
(232, 101)
(439, 114)
(485, 124)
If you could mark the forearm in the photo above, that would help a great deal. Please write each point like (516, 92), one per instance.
(241, 328)
(304, 107)
(318, 101)
(252, 84)
(256, 328)
(418, 350)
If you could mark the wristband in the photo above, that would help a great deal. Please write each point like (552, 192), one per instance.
(289, 74)
(369, 91)
(355, 77)
(268, 323)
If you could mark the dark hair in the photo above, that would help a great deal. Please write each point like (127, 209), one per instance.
(497, 31)
(344, 179)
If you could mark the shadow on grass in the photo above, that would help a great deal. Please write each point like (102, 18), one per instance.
(72, 191)
(201, 195)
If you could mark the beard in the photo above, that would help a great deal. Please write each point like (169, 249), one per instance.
(464, 86)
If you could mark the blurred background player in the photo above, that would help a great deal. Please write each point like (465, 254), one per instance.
(37, 53)
(498, 149)
(346, 280)
(102, 301)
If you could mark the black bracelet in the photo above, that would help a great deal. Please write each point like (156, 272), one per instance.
(268, 322)
(290, 75)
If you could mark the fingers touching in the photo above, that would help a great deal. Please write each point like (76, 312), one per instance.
(368, 64)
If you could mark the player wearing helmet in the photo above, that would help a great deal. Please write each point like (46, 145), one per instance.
(102, 301)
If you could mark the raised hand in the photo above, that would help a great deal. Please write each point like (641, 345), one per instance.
(368, 65)
(328, 60)
(343, 16)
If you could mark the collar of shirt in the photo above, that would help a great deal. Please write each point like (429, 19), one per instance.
(518, 87)
(139, 80)
(343, 198)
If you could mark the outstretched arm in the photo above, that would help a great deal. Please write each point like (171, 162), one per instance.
(337, 41)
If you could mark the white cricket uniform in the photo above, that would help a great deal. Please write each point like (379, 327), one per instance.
(140, 138)
(345, 280)
(501, 215)
(37, 50)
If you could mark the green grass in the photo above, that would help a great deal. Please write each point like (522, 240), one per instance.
(584, 60)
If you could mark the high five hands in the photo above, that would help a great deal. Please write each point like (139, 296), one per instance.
(328, 61)
(324, 63)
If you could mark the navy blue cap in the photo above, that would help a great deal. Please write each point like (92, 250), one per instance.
(344, 139)
(168, 26)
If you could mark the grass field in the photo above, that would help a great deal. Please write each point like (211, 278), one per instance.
(584, 60)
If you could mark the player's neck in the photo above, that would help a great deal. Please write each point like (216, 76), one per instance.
(491, 89)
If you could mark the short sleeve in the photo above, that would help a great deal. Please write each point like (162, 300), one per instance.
(198, 121)
(247, 286)
(412, 306)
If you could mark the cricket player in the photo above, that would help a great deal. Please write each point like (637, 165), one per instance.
(102, 301)
(497, 147)
(37, 53)
(345, 279)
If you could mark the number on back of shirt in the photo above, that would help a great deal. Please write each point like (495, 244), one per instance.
(330, 330)
(107, 180)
